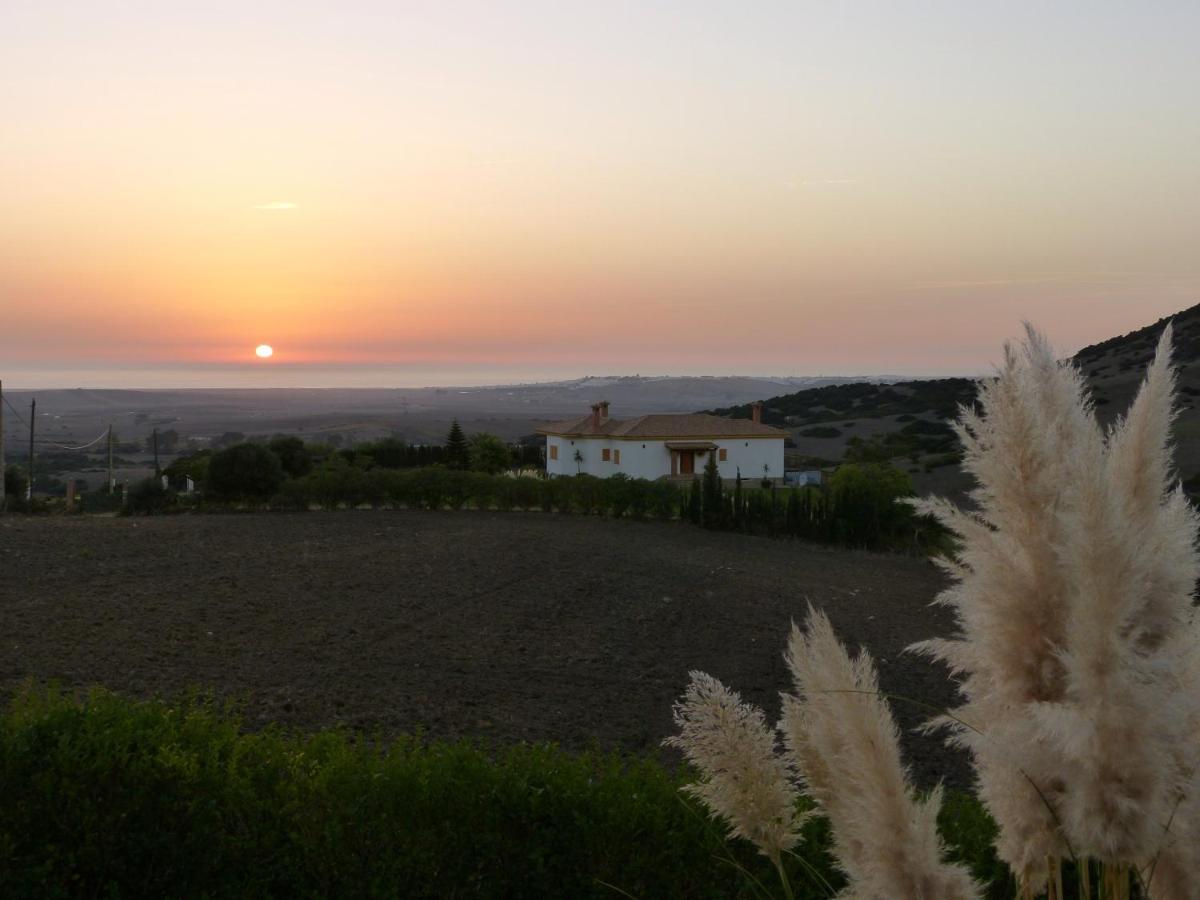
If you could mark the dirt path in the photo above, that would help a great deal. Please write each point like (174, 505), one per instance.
(502, 626)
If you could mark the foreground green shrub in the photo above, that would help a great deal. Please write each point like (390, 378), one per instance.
(108, 797)
(148, 497)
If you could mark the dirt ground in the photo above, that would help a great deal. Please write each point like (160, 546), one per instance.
(501, 626)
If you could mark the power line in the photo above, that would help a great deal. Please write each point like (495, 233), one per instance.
(8, 403)
(90, 443)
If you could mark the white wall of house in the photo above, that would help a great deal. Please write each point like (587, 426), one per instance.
(651, 459)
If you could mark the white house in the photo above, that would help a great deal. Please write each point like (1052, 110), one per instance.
(664, 445)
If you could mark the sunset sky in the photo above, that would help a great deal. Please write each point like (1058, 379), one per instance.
(402, 193)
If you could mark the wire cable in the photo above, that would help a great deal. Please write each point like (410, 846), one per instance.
(91, 443)
(8, 403)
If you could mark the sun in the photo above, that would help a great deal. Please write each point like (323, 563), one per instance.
(264, 351)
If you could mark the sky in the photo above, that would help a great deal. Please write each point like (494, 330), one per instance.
(408, 193)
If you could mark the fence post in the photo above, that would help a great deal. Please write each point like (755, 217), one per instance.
(32, 419)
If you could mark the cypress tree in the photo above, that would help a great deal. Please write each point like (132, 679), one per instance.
(713, 489)
(737, 501)
(695, 506)
(456, 455)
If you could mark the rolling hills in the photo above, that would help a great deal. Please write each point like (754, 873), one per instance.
(906, 422)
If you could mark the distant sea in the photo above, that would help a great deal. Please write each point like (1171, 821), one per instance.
(272, 375)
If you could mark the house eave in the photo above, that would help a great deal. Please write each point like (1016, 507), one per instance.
(664, 437)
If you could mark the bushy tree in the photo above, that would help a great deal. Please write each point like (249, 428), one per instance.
(457, 452)
(864, 502)
(488, 453)
(228, 439)
(15, 481)
(245, 470)
(389, 453)
(193, 466)
(293, 455)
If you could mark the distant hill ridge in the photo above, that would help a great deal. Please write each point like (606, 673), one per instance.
(900, 421)
(862, 400)
(1137, 347)
(1103, 363)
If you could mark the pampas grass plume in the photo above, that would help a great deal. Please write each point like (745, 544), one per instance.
(743, 779)
(842, 738)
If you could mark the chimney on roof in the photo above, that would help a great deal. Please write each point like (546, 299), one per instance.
(756, 412)
(595, 417)
(603, 409)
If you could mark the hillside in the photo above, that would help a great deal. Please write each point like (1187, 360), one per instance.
(906, 422)
(1115, 367)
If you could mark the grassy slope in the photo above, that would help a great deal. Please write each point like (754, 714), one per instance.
(874, 411)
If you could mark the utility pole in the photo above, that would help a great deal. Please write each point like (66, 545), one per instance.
(110, 475)
(157, 470)
(2, 469)
(32, 419)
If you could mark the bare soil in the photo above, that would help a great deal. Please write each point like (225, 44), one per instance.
(500, 626)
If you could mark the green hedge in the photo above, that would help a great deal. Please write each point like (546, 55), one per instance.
(109, 797)
(857, 507)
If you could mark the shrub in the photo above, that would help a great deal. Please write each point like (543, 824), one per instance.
(527, 492)
(487, 453)
(15, 482)
(665, 500)
(821, 431)
(194, 466)
(108, 797)
(245, 472)
(148, 497)
(293, 454)
(588, 494)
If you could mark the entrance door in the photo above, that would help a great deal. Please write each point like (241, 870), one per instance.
(687, 462)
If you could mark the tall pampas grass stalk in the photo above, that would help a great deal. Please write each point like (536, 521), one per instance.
(840, 734)
(743, 779)
(841, 742)
(1078, 657)
(1073, 596)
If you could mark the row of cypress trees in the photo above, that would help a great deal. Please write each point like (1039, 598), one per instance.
(861, 505)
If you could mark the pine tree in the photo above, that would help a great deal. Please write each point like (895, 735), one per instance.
(457, 456)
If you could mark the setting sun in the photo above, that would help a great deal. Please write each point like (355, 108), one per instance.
(264, 351)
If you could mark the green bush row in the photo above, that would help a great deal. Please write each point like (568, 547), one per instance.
(857, 508)
(109, 797)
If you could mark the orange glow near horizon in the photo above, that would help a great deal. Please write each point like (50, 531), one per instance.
(552, 192)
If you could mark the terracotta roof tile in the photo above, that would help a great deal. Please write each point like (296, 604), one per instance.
(665, 425)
